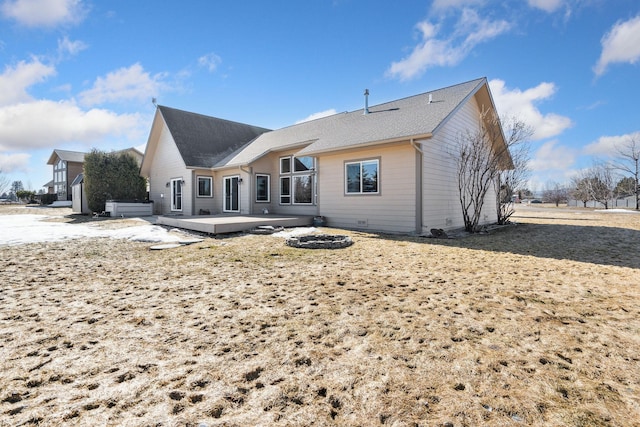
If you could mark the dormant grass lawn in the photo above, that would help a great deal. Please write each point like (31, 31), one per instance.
(532, 325)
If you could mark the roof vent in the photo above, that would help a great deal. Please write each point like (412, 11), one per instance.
(366, 102)
(430, 98)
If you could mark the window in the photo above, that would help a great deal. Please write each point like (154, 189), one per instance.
(262, 188)
(59, 179)
(285, 190)
(205, 186)
(302, 164)
(297, 185)
(362, 177)
(176, 194)
(285, 165)
(302, 189)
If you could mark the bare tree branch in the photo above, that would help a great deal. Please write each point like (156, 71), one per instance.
(481, 156)
(517, 134)
(628, 161)
(4, 182)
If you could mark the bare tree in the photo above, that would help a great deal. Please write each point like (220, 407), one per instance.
(628, 161)
(601, 183)
(4, 182)
(555, 193)
(517, 134)
(580, 188)
(480, 155)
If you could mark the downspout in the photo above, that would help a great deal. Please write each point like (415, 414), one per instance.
(250, 173)
(193, 192)
(419, 177)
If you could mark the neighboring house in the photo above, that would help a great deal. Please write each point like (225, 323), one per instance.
(66, 166)
(67, 171)
(49, 187)
(387, 167)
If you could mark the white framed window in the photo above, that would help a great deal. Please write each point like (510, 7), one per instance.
(297, 180)
(285, 190)
(263, 188)
(231, 194)
(362, 177)
(285, 165)
(303, 164)
(205, 186)
(176, 194)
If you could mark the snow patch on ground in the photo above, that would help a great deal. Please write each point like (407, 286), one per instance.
(23, 229)
(293, 232)
(616, 211)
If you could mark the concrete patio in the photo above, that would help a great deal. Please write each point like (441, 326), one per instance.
(220, 224)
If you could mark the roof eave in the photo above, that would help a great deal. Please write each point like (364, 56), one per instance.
(264, 153)
(407, 139)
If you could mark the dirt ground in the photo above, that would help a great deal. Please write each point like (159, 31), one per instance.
(536, 324)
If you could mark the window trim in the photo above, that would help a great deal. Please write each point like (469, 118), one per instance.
(292, 174)
(208, 178)
(293, 187)
(174, 195)
(281, 186)
(361, 192)
(289, 158)
(263, 175)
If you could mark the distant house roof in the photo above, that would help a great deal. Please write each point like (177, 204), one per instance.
(67, 156)
(204, 141)
(397, 120)
(78, 156)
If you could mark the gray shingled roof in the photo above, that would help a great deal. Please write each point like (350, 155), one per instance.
(204, 141)
(404, 118)
(67, 156)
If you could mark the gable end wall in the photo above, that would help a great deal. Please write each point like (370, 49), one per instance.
(167, 164)
(441, 204)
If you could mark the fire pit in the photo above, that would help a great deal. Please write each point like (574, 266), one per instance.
(320, 241)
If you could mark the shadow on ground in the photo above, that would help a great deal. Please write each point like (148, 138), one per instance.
(593, 244)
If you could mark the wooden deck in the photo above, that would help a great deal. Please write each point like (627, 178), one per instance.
(220, 224)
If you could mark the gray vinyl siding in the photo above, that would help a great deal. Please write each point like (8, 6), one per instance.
(168, 165)
(204, 203)
(441, 204)
(392, 210)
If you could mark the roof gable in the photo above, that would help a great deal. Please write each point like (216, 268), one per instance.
(203, 141)
(67, 156)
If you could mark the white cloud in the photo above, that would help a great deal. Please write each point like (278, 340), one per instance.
(470, 30)
(522, 105)
(44, 13)
(66, 46)
(15, 162)
(210, 61)
(552, 156)
(318, 115)
(45, 123)
(620, 44)
(124, 84)
(546, 5)
(609, 145)
(15, 80)
(439, 5)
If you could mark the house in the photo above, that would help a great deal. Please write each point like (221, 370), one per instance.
(386, 167)
(66, 166)
(67, 176)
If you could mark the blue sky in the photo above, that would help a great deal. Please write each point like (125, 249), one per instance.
(81, 74)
